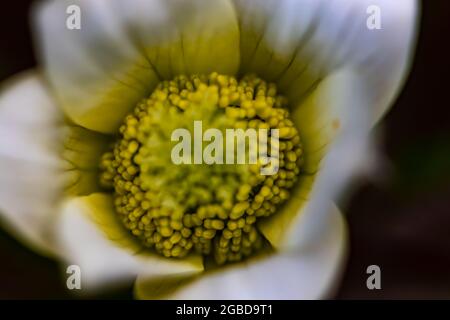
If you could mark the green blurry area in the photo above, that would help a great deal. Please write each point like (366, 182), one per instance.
(422, 166)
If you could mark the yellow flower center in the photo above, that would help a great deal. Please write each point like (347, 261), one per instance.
(208, 209)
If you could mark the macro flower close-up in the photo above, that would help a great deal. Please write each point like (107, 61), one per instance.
(88, 139)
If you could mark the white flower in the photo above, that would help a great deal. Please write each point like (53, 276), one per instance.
(338, 75)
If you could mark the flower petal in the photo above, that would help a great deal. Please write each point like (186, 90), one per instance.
(299, 42)
(124, 48)
(310, 273)
(82, 150)
(335, 133)
(29, 145)
(91, 236)
(340, 77)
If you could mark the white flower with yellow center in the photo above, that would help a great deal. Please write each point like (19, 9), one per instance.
(85, 154)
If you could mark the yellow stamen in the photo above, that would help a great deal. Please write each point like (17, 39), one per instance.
(208, 209)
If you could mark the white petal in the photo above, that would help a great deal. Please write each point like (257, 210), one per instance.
(299, 42)
(125, 47)
(29, 144)
(335, 163)
(81, 152)
(340, 77)
(310, 273)
(91, 236)
(335, 131)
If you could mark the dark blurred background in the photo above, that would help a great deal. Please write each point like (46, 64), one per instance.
(401, 223)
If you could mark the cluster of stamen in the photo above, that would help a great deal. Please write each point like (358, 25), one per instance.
(210, 210)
